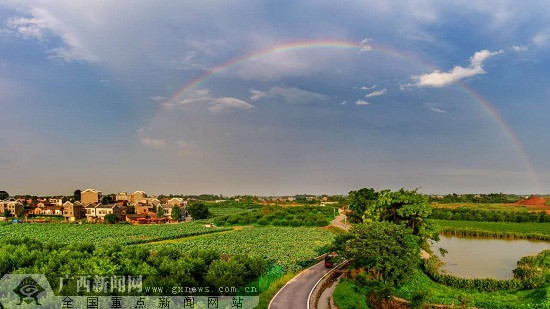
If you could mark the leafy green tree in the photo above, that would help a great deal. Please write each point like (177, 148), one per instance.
(223, 273)
(160, 212)
(107, 199)
(176, 213)
(6, 213)
(198, 210)
(4, 195)
(77, 194)
(21, 213)
(403, 206)
(362, 203)
(110, 218)
(389, 252)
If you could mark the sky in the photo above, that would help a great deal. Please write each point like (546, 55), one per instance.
(274, 97)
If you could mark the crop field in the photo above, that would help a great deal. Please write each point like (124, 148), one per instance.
(102, 233)
(290, 247)
(507, 227)
(227, 210)
(483, 206)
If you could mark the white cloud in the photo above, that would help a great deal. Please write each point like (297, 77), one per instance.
(203, 96)
(368, 88)
(154, 143)
(542, 37)
(256, 94)
(376, 93)
(361, 102)
(344, 102)
(42, 25)
(518, 48)
(229, 103)
(365, 45)
(28, 27)
(440, 79)
(437, 110)
(158, 99)
(293, 95)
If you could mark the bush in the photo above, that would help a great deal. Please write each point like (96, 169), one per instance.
(111, 218)
(198, 210)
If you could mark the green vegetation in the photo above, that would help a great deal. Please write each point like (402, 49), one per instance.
(160, 212)
(4, 195)
(495, 229)
(198, 210)
(166, 267)
(361, 201)
(176, 213)
(389, 252)
(441, 294)
(231, 208)
(290, 247)
(465, 213)
(349, 295)
(281, 216)
(476, 198)
(110, 218)
(102, 233)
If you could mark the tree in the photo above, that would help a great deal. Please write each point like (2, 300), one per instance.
(160, 212)
(389, 252)
(4, 195)
(198, 210)
(107, 199)
(111, 218)
(363, 201)
(21, 213)
(7, 213)
(76, 194)
(176, 213)
(403, 206)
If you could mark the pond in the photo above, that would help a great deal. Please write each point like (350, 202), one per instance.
(471, 257)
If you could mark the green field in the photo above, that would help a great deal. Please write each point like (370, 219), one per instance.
(102, 233)
(482, 206)
(441, 294)
(290, 247)
(508, 227)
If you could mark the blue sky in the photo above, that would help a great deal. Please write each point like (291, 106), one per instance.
(84, 91)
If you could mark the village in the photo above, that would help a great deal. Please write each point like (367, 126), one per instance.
(92, 206)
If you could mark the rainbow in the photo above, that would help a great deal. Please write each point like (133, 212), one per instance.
(369, 46)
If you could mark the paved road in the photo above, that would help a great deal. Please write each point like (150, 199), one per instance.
(338, 220)
(294, 294)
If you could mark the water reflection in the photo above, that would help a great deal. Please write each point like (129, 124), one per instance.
(471, 257)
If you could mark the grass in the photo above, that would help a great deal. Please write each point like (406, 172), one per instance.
(349, 295)
(508, 227)
(441, 294)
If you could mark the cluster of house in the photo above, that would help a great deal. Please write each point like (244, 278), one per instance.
(137, 207)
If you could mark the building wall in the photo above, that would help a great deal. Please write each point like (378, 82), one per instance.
(90, 196)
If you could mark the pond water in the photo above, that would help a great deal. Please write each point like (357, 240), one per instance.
(471, 257)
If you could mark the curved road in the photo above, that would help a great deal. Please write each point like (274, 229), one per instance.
(295, 293)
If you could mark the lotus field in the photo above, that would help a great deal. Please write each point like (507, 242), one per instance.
(290, 247)
(102, 233)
